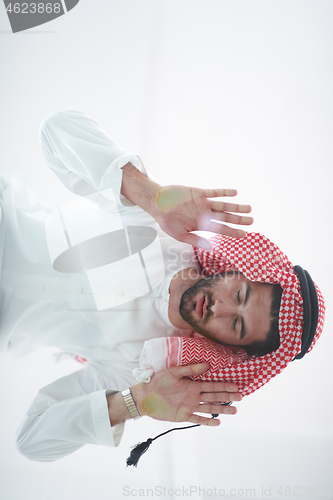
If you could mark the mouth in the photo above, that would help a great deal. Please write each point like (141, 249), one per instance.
(201, 307)
(204, 307)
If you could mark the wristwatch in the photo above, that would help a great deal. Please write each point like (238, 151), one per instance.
(127, 395)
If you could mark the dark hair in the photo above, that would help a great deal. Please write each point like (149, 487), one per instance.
(272, 342)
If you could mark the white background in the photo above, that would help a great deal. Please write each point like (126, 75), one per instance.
(210, 93)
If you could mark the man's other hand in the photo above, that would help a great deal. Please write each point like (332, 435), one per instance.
(172, 396)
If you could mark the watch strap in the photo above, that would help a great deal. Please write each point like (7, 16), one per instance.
(127, 395)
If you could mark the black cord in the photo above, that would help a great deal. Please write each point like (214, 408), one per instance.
(141, 448)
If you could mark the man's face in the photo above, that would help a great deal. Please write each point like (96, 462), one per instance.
(228, 308)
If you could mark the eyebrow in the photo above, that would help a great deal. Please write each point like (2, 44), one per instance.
(247, 293)
(246, 298)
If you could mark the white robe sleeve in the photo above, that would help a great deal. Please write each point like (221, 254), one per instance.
(65, 415)
(82, 156)
(73, 410)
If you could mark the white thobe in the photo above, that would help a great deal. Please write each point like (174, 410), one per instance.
(42, 306)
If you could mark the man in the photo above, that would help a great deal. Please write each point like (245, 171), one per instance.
(67, 307)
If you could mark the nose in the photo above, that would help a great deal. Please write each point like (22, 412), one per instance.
(222, 308)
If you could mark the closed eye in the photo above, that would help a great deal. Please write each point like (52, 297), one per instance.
(238, 297)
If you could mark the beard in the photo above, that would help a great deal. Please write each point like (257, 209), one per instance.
(188, 303)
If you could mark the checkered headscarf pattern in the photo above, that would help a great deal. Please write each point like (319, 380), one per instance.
(259, 260)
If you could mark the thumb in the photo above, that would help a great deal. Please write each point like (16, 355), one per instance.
(190, 370)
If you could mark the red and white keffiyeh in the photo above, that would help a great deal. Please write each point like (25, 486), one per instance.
(258, 259)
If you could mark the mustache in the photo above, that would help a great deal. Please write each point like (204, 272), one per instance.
(185, 306)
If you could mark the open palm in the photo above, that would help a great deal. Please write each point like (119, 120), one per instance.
(180, 210)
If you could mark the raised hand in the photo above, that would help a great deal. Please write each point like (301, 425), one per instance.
(172, 396)
(179, 210)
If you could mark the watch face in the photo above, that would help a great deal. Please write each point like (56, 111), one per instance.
(121, 262)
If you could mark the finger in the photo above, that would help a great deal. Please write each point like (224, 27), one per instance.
(220, 410)
(216, 193)
(189, 370)
(215, 227)
(220, 206)
(220, 397)
(217, 386)
(231, 218)
(197, 241)
(197, 419)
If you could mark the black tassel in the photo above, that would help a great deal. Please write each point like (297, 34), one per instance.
(137, 452)
(141, 448)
